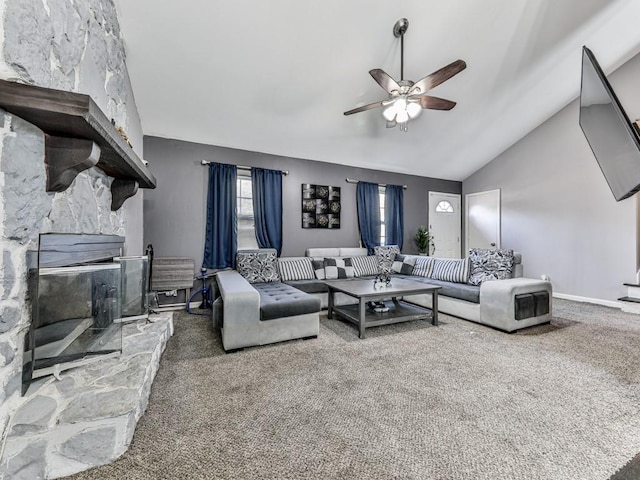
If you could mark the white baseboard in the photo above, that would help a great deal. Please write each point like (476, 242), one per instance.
(597, 301)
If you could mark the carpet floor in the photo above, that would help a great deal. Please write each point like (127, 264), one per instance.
(411, 401)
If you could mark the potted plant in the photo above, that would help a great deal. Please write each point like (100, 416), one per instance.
(424, 241)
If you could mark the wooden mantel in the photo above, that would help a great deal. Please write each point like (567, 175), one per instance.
(78, 136)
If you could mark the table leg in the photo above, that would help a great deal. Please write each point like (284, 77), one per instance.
(362, 316)
(330, 304)
(434, 309)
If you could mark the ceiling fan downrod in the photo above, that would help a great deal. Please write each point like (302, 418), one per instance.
(399, 29)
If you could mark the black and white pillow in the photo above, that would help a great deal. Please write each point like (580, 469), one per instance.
(365, 265)
(424, 266)
(296, 269)
(451, 270)
(386, 255)
(403, 264)
(489, 264)
(338, 268)
(258, 266)
(318, 269)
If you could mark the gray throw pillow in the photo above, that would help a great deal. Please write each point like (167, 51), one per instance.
(258, 266)
(386, 254)
(318, 269)
(490, 264)
(338, 268)
(451, 270)
(403, 264)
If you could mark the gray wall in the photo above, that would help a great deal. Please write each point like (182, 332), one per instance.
(174, 213)
(557, 208)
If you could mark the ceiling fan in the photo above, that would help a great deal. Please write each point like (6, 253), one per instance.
(406, 98)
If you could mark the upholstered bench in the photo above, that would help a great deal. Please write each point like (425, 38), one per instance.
(278, 300)
(257, 309)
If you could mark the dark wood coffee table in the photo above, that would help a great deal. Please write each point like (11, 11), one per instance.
(364, 291)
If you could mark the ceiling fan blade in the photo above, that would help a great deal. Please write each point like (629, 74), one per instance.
(365, 107)
(437, 77)
(434, 103)
(384, 80)
(391, 124)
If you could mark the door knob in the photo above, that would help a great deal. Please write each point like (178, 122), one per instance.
(493, 244)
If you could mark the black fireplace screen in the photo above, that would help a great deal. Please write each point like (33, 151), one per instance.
(75, 292)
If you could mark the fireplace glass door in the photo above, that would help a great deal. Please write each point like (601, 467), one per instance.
(76, 317)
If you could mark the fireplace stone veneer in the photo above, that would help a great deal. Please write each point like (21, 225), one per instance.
(87, 418)
(76, 47)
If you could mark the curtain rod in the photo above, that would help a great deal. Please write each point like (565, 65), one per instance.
(241, 167)
(351, 180)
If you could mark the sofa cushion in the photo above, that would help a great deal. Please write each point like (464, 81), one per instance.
(318, 268)
(258, 265)
(309, 286)
(322, 252)
(423, 266)
(386, 254)
(365, 265)
(490, 264)
(295, 269)
(451, 270)
(350, 252)
(338, 268)
(403, 264)
(279, 300)
(461, 291)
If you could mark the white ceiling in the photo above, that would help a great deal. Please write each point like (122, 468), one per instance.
(275, 76)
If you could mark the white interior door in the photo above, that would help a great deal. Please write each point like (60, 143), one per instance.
(445, 223)
(482, 219)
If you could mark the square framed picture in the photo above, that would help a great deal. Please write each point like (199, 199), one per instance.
(320, 206)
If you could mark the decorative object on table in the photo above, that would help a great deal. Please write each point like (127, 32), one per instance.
(424, 241)
(382, 280)
(320, 206)
(378, 307)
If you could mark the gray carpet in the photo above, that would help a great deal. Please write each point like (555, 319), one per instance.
(412, 401)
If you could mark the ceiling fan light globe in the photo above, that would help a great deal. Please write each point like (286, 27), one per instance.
(389, 113)
(414, 109)
(402, 116)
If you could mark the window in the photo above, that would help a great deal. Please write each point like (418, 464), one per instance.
(444, 207)
(383, 230)
(246, 225)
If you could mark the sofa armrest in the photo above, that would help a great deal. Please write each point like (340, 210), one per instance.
(498, 302)
(241, 309)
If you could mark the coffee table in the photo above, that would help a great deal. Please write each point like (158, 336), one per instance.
(365, 291)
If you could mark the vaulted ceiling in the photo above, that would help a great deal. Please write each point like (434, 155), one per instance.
(276, 76)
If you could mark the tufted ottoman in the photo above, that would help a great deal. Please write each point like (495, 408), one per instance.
(279, 300)
(263, 313)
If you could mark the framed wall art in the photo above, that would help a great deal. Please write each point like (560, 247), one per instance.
(320, 206)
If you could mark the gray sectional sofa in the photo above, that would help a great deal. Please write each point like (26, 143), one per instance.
(280, 299)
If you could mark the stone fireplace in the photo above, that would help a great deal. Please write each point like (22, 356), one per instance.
(75, 47)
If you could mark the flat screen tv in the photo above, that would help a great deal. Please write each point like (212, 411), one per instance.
(614, 140)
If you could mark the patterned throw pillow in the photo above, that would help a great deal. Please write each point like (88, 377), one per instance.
(365, 265)
(338, 268)
(318, 269)
(403, 264)
(386, 255)
(489, 264)
(424, 266)
(258, 266)
(298, 269)
(451, 270)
